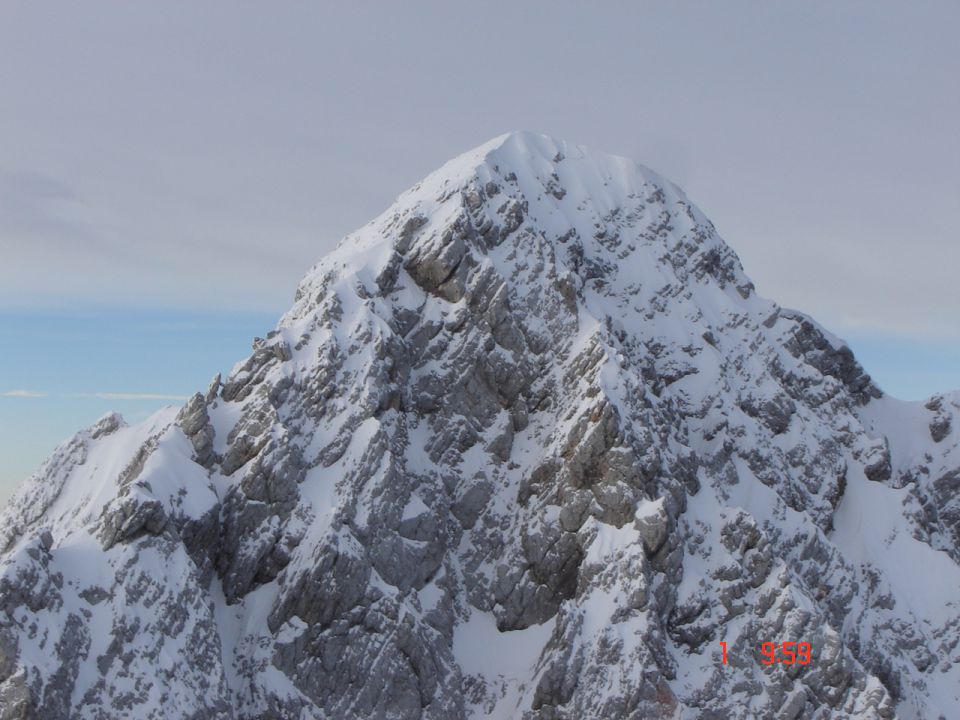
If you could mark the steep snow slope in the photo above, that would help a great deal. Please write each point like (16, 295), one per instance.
(526, 445)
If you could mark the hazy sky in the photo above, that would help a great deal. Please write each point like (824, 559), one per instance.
(182, 164)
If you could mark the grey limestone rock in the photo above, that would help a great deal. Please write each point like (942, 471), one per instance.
(526, 446)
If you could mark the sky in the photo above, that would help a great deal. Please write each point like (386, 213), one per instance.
(168, 171)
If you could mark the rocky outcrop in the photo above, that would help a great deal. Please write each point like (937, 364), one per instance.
(528, 445)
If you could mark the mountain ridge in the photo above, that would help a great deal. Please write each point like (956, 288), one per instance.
(526, 445)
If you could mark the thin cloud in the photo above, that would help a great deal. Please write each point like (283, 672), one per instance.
(100, 396)
(134, 396)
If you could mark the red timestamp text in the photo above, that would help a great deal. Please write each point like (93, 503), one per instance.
(785, 653)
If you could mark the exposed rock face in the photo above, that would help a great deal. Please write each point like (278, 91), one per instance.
(527, 445)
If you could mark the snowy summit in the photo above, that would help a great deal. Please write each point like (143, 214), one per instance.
(527, 445)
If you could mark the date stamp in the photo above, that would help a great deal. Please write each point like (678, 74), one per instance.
(785, 653)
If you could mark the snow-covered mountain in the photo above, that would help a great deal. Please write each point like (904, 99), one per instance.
(526, 445)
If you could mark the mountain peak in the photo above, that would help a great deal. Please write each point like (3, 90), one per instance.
(606, 221)
(531, 153)
(528, 444)
(541, 164)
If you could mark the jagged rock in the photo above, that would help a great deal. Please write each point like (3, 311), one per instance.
(528, 445)
(15, 698)
(130, 516)
(195, 423)
(653, 524)
(942, 422)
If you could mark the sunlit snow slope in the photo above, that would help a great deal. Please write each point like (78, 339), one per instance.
(526, 445)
